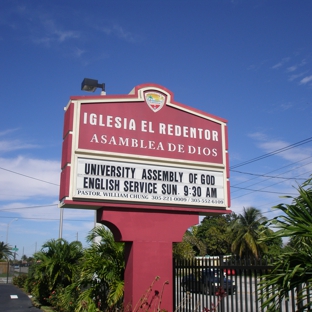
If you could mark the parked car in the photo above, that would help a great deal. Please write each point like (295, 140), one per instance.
(208, 281)
(229, 271)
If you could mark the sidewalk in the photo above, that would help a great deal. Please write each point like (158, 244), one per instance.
(13, 299)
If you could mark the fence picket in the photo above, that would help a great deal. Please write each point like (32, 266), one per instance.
(192, 294)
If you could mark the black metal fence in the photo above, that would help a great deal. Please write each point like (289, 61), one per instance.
(223, 284)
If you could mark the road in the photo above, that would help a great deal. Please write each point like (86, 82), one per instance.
(12, 299)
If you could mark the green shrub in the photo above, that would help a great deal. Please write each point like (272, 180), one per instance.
(20, 280)
(28, 285)
(60, 301)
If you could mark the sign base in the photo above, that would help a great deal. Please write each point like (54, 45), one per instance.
(148, 238)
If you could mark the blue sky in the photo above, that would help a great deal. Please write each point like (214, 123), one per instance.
(247, 61)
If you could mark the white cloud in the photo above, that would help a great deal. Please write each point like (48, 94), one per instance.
(306, 80)
(291, 154)
(295, 67)
(81, 228)
(29, 187)
(8, 145)
(14, 145)
(63, 35)
(292, 68)
(294, 155)
(20, 186)
(33, 210)
(122, 33)
(119, 32)
(255, 186)
(294, 162)
(258, 136)
(295, 76)
(78, 52)
(260, 200)
(5, 132)
(281, 63)
(45, 212)
(286, 106)
(257, 66)
(52, 33)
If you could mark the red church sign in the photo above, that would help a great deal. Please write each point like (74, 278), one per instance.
(143, 150)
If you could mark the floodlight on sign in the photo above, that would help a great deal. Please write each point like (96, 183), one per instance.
(91, 85)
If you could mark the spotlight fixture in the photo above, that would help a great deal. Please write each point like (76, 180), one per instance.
(91, 85)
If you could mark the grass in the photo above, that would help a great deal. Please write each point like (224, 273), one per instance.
(47, 309)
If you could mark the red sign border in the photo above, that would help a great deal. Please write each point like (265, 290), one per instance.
(70, 144)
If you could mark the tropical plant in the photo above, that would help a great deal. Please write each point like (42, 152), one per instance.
(19, 280)
(274, 245)
(246, 233)
(55, 265)
(293, 269)
(5, 251)
(100, 284)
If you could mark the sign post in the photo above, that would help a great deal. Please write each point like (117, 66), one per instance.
(149, 166)
(15, 249)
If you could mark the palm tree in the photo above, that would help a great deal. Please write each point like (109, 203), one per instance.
(59, 260)
(101, 280)
(5, 251)
(293, 268)
(246, 232)
(55, 265)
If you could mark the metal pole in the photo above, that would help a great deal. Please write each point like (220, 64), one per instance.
(7, 233)
(61, 222)
(8, 268)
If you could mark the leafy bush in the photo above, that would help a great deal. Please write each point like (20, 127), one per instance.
(55, 267)
(69, 278)
(60, 302)
(20, 280)
(292, 269)
(41, 291)
(29, 283)
(38, 287)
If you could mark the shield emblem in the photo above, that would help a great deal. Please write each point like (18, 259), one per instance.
(155, 100)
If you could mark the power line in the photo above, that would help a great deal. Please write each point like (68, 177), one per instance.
(29, 207)
(280, 150)
(24, 175)
(47, 219)
(260, 190)
(231, 168)
(268, 176)
(280, 169)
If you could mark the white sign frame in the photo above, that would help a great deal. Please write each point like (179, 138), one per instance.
(107, 179)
